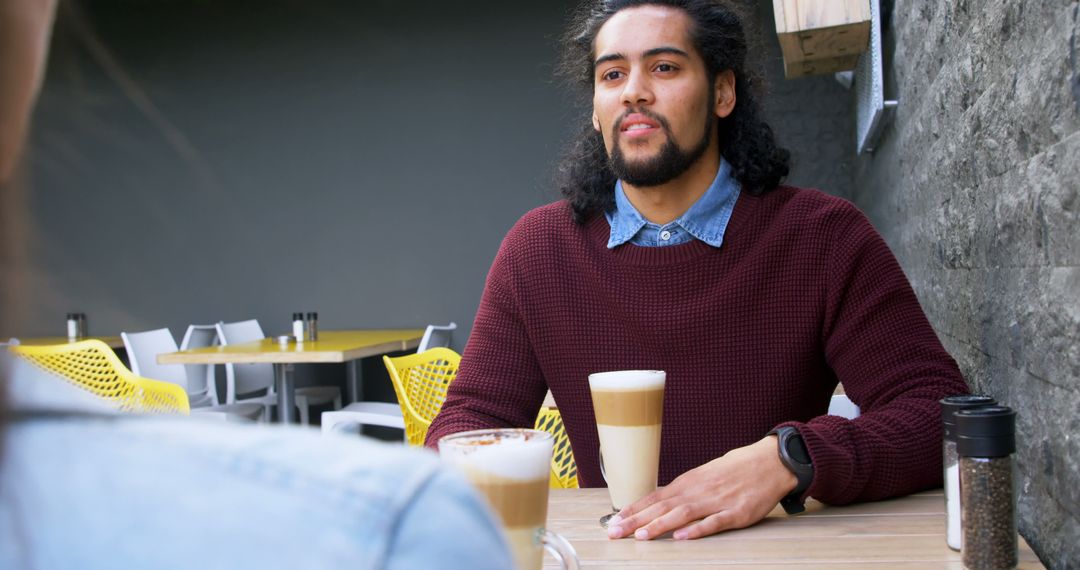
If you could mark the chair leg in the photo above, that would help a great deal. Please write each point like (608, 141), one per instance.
(305, 410)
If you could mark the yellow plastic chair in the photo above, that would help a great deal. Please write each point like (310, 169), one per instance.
(94, 367)
(420, 382)
(563, 468)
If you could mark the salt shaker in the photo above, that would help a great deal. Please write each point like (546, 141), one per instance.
(951, 462)
(298, 326)
(986, 443)
(72, 327)
(313, 326)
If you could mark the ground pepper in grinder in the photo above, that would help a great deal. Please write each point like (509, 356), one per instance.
(986, 443)
(313, 326)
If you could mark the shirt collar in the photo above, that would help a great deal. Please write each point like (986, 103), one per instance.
(706, 219)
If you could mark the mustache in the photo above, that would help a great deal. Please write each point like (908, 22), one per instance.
(617, 127)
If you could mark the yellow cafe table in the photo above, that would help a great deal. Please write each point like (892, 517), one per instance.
(331, 347)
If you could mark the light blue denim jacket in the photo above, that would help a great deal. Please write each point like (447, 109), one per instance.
(705, 220)
(107, 491)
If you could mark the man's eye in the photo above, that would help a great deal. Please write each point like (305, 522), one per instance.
(665, 67)
(611, 75)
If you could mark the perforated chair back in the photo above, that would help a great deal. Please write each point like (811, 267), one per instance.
(143, 348)
(245, 378)
(563, 467)
(421, 381)
(201, 336)
(93, 366)
(436, 336)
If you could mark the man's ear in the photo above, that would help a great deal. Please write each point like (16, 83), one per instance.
(725, 93)
(595, 122)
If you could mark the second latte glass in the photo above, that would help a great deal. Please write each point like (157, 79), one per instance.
(512, 469)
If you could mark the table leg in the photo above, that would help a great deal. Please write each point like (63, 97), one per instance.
(286, 391)
(355, 380)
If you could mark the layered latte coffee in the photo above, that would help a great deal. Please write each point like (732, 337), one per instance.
(629, 406)
(512, 469)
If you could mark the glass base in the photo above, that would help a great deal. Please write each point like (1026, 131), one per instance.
(604, 519)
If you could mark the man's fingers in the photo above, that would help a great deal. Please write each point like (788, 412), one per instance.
(643, 503)
(674, 518)
(621, 526)
(655, 520)
(712, 524)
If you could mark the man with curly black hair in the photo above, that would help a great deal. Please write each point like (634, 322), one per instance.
(678, 249)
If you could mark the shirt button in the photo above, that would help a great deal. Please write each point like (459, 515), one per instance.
(665, 235)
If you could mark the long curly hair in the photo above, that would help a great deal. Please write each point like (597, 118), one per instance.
(584, 176)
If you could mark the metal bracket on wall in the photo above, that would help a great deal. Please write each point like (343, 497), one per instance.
(872, 111)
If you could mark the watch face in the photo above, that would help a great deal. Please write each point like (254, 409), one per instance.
(796, 449)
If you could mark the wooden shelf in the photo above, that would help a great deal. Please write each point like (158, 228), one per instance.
(821, 36)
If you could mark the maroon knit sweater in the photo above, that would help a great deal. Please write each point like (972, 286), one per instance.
(755, 334)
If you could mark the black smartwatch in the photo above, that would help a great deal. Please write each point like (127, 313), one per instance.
(794, 456)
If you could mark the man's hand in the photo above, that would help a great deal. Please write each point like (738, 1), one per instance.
(733, 491)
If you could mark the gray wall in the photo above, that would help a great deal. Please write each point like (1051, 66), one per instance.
(195, 161)
(811, 116)
(975, 188)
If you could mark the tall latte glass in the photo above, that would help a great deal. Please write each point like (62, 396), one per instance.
(629, 405)
(512, 469)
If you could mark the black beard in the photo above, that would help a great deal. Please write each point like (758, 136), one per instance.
(667, 165)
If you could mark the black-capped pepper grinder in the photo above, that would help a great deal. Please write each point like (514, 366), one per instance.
(986, 444)
(313, 326)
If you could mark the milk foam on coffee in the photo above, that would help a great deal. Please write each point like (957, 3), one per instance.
(628, 406)
(514, 457)
(512, 470)
(628, 380)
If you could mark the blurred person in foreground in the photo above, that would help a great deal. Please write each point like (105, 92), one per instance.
(82, 486)
(678, 248)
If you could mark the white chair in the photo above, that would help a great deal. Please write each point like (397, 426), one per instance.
(842, 406)
(246, 383)
(202, 336)
(142, 350)
(351, 417)
(258, 379)
(436, 335)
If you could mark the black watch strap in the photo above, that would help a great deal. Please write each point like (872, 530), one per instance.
(794, 456)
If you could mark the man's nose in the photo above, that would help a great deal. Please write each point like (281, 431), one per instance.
(637, 90)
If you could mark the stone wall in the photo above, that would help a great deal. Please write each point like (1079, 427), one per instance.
(975, 188)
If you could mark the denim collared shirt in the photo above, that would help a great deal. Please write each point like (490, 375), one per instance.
(102, 490)
(705, 220)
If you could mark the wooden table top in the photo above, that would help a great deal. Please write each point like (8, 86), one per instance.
(114, 342)
(907, 533)
(332, 346)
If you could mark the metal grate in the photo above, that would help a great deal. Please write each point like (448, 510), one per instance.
(871, 108)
